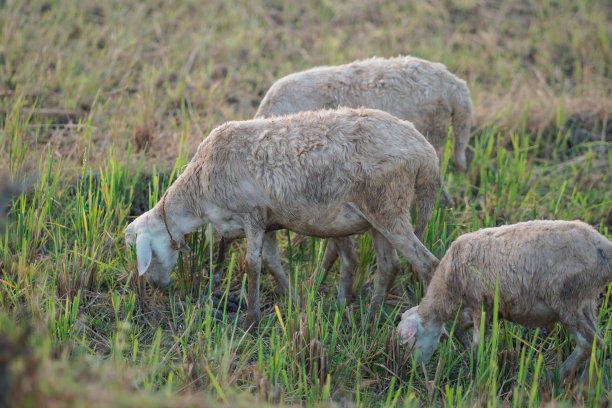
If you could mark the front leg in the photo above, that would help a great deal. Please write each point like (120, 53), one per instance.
(254, 232)
(272, 263)
(349, 263)
(463, 324)
(219, 263)
(387, 264)
(463, 338)
(329, 257)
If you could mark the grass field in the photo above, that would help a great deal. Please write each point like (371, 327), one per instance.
(104, 102)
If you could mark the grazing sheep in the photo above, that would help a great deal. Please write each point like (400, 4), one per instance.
(410, 88)
(422, 92)
(328, 173)
(547, 271)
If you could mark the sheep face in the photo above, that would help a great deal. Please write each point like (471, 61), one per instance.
(154, 255)
(417, 337)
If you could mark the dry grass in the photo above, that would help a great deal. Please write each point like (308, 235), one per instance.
(157, 72)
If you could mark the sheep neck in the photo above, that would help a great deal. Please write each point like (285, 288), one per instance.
(173, 244)
(177, 215)
(438, 305)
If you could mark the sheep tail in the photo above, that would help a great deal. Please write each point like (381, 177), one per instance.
(461, 120)
(426, 195)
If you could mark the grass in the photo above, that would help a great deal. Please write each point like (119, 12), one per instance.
(105, 102)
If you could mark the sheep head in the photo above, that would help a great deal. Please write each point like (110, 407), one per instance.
(419, 337)
(154, 254)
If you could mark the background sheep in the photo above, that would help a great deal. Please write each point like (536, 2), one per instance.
(548, 271)
(324, 174)
(410, 88)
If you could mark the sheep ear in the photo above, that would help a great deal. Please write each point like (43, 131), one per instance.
(143, 253)
(407, 329)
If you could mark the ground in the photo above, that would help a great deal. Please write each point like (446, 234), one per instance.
(103, 103)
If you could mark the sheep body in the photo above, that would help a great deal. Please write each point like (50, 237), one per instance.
(410, 88)
(547, 271)
(328, 173)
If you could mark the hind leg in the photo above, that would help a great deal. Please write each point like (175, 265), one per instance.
(387, 209)
(446, 199)
(423, 261)
(584, 329)
(388, 266)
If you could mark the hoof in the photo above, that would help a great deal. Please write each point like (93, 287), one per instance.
(251, 322)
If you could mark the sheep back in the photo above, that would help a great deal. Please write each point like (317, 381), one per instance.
(542, 268)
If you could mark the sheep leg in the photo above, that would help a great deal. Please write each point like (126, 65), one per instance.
(254, 236)
(446, 199)
(272, 263)
(476, 318)
(463, 338)
(388, 266)
(423, 261)
(393, 222)
(224, 246)
(584, 330)
(330, 256)
(464, 322)
(349, 263)
(475, 337)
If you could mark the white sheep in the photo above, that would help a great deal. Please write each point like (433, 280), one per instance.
(547, 271)
(410, 88)
(422, 92)
(327, 173)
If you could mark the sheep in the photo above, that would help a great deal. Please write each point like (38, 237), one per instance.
(327, 173)
(409, 88)
(422, 92)
(546, 271)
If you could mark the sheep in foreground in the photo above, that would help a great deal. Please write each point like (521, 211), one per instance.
(547, 271)
(410, 88)
(326, 174)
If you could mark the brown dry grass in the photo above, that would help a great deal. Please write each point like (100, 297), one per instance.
(155, 73)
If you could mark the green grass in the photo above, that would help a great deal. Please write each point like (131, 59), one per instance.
(106, 102)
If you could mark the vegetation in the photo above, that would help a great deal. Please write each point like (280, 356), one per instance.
(105, 102)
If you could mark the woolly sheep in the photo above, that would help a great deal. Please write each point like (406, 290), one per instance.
(328, 173)
(422, 92)
(547, 271)
(410, 88)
